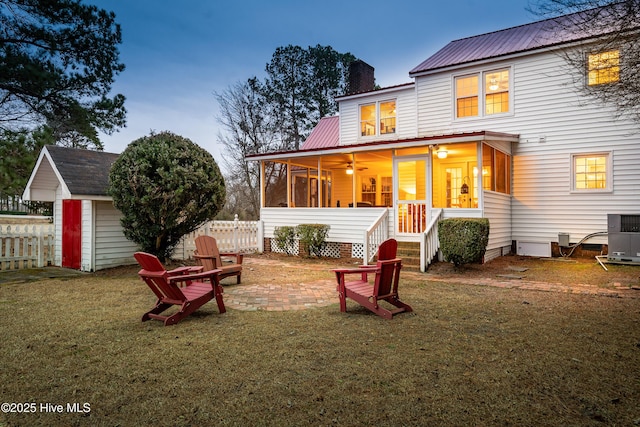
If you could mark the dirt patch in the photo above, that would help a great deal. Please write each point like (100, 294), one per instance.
(550, 270)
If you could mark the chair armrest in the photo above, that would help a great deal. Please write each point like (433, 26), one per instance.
(184, 270)
(359, 270)
(197, 256)
(213, 259)
(211, 274)
(238, 256)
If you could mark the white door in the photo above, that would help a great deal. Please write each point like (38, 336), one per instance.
(411, 193)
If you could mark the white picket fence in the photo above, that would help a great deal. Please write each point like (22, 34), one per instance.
(231, 236)
(26, 246)
(32, 246)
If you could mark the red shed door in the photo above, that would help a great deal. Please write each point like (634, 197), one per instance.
(71, 233)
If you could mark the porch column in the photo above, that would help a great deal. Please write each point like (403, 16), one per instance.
(289, 183)
(262, 188)
(319, 183)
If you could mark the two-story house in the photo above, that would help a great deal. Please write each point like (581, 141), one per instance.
(490, 126)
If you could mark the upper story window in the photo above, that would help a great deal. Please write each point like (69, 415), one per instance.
(603, 67)
(378, 118)
(474, 99)
(591, 172)
(467, 96)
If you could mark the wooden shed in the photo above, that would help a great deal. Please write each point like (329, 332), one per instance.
(88, 234)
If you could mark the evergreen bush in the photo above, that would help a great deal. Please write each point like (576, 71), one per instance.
(313, 237)
(285, 237)
(463, 240)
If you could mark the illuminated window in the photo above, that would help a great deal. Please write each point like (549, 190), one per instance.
(378, 118)
(492, 97)
(604, 67)
(467, 96)
(368, 119)
(591, 172)
(387, 117)
(496, 89)
(496, 170)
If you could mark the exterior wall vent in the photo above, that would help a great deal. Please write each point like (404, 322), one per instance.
(624, 237)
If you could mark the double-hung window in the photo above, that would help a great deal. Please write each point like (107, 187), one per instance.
(467, 96)
(603, 67)
(378, 118)
(591, 172)
(482, 94)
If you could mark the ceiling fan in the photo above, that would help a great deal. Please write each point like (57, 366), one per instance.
(350, 168)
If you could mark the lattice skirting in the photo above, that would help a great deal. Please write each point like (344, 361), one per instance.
(357, 250)
(290, 249)
(331, 250)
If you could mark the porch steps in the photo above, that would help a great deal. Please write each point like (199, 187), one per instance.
(409, 252)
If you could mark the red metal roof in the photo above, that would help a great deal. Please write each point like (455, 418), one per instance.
(541, 34)
(448, 138)
(326, 134)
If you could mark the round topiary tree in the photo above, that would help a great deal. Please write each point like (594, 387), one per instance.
(165, 186)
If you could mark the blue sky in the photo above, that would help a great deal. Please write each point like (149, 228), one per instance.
(178, 53)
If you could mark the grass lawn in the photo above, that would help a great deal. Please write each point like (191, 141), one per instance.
(468, 356)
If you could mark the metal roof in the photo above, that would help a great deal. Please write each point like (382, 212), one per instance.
(448, 138)
(326, 134)
(537, 35)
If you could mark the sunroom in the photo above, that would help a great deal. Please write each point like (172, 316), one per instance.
(369, 192)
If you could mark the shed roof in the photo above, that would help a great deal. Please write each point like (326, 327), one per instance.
(80, 174)
(541, 34)
(83, 171)
(445, 138)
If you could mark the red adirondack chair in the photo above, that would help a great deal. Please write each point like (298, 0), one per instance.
(193, 293)
(384, 288)
(209, 256)
(388, 249)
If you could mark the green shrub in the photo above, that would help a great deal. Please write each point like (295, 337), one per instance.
(313, 237)
(463, 240)
(285, 237)
(166, 186)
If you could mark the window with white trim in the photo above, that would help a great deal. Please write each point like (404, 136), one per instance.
(483, 94)
(591, 172)
(603, 67)
(378, 118)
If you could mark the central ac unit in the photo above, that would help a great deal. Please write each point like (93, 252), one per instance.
(624, 237)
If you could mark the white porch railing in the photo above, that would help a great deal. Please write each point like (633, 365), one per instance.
(26, 246)
(429, 242)
(374, 235)
(231, 236)
(412, 217)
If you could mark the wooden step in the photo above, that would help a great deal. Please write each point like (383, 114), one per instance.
(409, 252)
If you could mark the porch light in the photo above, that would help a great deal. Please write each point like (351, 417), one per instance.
(442, 153)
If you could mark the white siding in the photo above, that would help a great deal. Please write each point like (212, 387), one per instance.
(497, 208)
(347, 225)
(86, 229)
(57, 223)
(547, 104)
(110, 246)
(405, 115)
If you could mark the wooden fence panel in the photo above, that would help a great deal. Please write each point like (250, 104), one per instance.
(231, 236)
(26, 246)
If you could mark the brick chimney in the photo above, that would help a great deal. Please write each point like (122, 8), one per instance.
(361, 78)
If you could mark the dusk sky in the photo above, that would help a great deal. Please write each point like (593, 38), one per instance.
(177, 54)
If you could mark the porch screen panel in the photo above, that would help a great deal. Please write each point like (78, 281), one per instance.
(275, 184)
